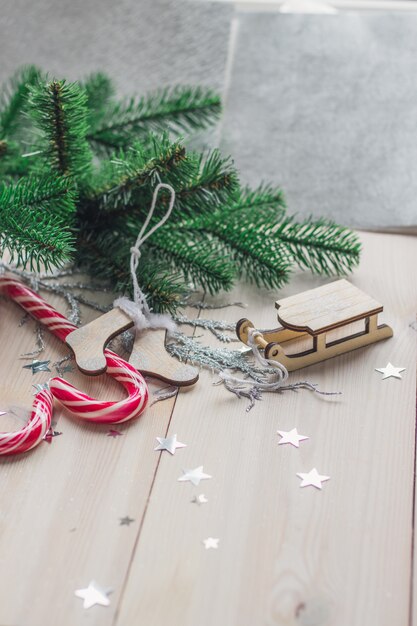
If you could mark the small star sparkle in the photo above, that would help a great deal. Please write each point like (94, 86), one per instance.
(114, 433)
(211, 542)
(312, 479)
(40, 387)
(194, 475)
(93, 594)
(201, 499)
(170, 444)
(37, 366)
(390, 371)
(126, 521)
(291, 436)
(51, 434)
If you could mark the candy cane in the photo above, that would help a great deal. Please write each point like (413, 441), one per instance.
(78, 403)
(82, 405)
(34, 431)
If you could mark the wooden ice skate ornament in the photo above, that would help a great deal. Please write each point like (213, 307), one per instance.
(315, 313)
(149, 355)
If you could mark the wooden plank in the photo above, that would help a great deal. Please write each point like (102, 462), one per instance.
(60, 504)
(287, 555)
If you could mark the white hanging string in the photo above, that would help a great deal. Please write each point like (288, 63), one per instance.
(276, 380)
(138, 309)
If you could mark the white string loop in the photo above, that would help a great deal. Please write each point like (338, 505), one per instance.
(138, 309)
(276, 381)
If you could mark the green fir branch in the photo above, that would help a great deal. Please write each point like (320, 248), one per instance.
(59, 111)
(217, 231)
(12, 163)
(117, 184)
(201, 183)
(214, 181)
(100, 91)
(246, 243)
(13, 99)
(319, 245)
(197, 256)
(102, 254)
(32, 214)
(177, 109)
(264, 199)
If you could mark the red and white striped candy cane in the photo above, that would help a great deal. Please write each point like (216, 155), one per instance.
(77, 402)
(81, 405)
(34, 431)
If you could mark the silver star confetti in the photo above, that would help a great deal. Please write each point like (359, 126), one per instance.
(194, 475)
(201, 499)
(40, 344)
(48, 436)
(170, 444)
(40, 387)
(312, 479)
(51, 434)
(3, 413)
(114, 433)
(291, 436)
(390, 371)
(126, 521)
(37, 366)
(93, 594)
(211, 542)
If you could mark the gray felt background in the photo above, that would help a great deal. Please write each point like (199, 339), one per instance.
(142, 44)
(324, 105)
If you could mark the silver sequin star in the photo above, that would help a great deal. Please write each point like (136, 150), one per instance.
(126, 521)
(40, 387)
(37, 366)
(211, 542)
(201, 499)
(114, 433)
(93, 594)
(170, 444)
(312, 479)
(390, 371)
(194, 475)
(291, 436)
(3, 413)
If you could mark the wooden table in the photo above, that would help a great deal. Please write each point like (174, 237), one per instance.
(342, 556)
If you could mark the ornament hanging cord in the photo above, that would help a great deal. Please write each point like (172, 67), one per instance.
(138, 309)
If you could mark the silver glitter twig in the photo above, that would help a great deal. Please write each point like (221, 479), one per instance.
(39, 343)
(214, 326)
(216, 359)
(205, 306)
(60, 366)
(164, 394)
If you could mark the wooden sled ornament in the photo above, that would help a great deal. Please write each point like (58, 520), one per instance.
(149, 355)
(315, 313)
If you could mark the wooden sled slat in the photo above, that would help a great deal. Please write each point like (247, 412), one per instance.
(325, 308)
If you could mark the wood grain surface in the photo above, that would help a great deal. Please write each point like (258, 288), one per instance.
(287, 556)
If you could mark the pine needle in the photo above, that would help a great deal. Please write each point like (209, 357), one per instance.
(177, 110)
